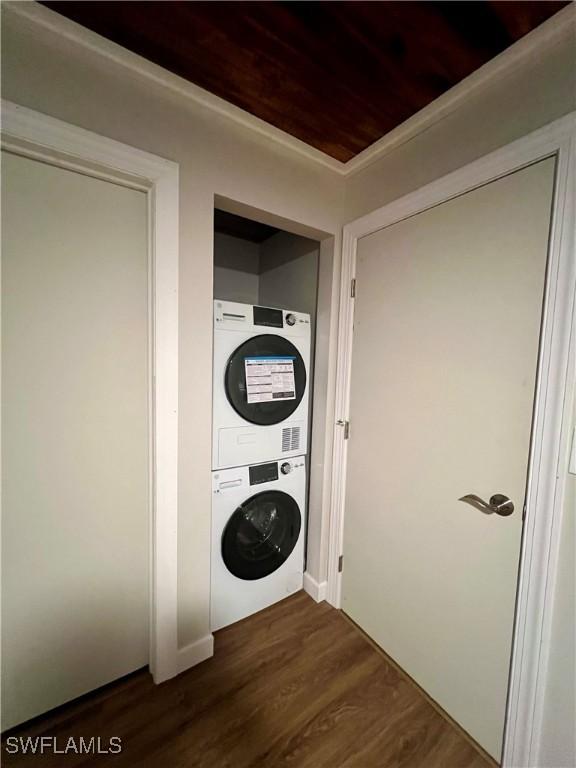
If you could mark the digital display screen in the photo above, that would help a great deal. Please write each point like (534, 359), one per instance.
(269, 317)
(263, 473)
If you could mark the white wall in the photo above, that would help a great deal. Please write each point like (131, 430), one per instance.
(236, 268)
(289, 272)
(45, 71)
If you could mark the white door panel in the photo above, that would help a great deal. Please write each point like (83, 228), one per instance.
(446, 333)
(74, 435)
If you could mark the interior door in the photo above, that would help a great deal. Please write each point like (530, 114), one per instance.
(446, 333)
(74, 435)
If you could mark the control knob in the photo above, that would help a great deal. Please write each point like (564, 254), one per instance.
(291, 319)
(286, 468)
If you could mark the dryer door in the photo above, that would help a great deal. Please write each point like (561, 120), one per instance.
(265, 379)
(261, 534)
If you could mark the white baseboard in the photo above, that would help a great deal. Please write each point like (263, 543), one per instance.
(317, 591)
(195, 653)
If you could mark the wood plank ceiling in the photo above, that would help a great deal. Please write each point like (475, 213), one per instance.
(337, 75)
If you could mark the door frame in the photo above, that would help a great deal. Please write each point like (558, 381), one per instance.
(548, 462)
(38, 136)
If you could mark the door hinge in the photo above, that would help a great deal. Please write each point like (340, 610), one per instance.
(340, 561)
(353, 288)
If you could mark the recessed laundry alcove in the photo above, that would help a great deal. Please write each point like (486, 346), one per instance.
(266, 265)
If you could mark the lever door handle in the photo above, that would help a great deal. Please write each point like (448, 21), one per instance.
(499, 504)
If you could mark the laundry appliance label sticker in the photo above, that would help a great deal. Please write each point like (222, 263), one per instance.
(269, 378)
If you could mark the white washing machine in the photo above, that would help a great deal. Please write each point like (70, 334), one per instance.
(260, 398)
(258, 531)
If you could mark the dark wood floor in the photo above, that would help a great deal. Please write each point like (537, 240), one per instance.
(295, 685)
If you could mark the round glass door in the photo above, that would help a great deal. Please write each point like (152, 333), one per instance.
(261, 534)
(272, 406)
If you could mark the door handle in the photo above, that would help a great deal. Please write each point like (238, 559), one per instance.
(499, 504)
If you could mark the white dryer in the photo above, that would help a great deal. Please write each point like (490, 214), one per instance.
(260, 397)
(258, 531)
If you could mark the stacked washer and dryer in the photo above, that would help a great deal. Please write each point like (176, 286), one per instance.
(260, 436)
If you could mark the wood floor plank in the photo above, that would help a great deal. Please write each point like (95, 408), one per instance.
(294, 686)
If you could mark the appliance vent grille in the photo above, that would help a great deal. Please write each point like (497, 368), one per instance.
(290, 439)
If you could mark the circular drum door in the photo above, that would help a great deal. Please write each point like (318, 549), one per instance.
(274, 406)
(261, 534)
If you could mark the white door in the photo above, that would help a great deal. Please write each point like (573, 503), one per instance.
(446, 332)
(74, 435)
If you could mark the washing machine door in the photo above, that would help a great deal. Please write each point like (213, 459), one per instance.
(261, 534)
(265, 379)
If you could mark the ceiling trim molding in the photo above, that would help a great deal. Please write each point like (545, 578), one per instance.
(561, 26)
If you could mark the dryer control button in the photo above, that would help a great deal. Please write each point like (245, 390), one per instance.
(286, 468)
(291, 319)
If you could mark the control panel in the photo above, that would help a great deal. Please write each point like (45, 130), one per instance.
(257, 474)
